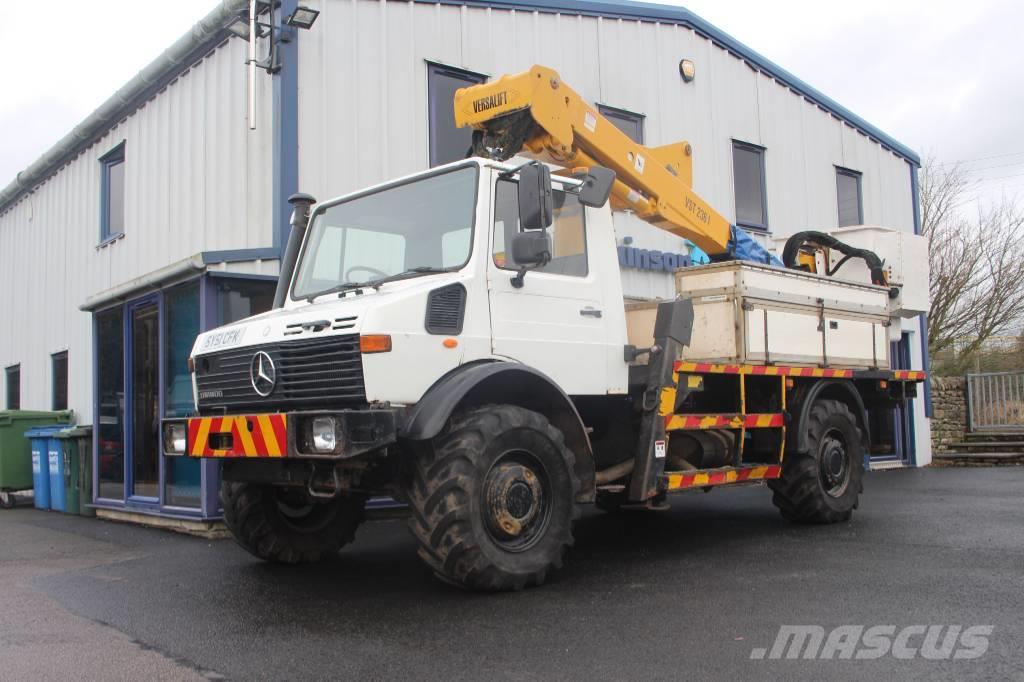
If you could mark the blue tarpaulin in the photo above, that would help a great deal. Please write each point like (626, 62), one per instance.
(744, 247)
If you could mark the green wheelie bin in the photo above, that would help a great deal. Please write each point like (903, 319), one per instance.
(15, 452)
(76, 449)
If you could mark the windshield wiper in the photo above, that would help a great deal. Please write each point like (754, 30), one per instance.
(338, 288)
(375, 283)
(407, 274)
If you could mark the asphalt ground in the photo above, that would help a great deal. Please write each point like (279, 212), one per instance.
(688, 593)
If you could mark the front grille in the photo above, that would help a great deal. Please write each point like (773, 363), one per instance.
(309, 373)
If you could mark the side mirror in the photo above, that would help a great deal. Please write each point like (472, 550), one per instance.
(536, 199)
(531, 248)
(597, 185)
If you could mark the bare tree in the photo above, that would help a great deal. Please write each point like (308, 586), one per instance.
(977, 266)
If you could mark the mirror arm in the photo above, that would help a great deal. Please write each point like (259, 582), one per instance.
(519, 279)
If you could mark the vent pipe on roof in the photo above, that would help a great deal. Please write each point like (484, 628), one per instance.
(204, 34)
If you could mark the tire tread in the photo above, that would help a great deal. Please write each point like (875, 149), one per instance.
(439, 497)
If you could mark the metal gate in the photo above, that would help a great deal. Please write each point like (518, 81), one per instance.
(995, 401)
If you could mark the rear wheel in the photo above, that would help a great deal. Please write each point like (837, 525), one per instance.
(822, 485)
(493, 499)
(286, 525)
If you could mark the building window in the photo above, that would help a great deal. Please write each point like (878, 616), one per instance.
(242, 297)
(850, 199)
(112, 194)
(182, 475)
(13, 387)
(447, 143)
(627, 121)
(567, 231)
(59, 368)
(748, 172)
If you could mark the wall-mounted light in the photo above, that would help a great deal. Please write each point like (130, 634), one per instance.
(687, 69)
(302, 17)
(239, 26)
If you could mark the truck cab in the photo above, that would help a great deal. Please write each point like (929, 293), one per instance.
(423, 267)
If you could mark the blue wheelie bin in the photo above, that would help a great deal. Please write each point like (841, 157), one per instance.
(42, 442)
(55, 455)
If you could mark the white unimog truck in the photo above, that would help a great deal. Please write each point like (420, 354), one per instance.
(457, 339)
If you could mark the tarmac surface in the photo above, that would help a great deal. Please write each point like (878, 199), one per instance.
(689, 593)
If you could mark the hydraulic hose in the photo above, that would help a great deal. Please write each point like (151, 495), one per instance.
(793, 245)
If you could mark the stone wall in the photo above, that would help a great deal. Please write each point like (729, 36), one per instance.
(949, 404)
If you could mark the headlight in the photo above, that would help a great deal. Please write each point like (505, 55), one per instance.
(174, 438)
(324, 438)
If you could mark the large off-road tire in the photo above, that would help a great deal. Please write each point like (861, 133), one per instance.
(285, 525)
(493, 499)
(822, 484)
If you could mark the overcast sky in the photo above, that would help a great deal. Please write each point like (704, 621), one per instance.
(943, 77)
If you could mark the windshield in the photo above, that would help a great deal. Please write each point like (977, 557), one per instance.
(422, 226)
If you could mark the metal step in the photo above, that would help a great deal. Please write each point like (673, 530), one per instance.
(993, 436)
(991, 445)
(980, 457)
(705, 478)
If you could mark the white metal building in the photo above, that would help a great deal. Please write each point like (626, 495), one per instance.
(164, 213)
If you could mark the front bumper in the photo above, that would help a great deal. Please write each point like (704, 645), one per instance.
(276, 435)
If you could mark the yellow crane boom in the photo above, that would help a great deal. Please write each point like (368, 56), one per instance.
(535, 113)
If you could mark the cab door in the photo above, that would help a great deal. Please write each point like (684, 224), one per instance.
(555, 322)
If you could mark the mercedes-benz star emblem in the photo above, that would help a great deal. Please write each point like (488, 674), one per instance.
(262, 374)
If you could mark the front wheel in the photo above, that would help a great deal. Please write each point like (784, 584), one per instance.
(822, 485)
(286, 525)
(493, 499)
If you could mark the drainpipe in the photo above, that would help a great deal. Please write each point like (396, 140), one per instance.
(301, 204)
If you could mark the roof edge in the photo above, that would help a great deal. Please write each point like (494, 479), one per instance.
(647, 11)
(203, 36)
(209, 31)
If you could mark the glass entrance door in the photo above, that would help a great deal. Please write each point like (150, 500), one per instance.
(144, 367)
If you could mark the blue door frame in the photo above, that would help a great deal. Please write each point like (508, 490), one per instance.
(210, 470)
(131, 308)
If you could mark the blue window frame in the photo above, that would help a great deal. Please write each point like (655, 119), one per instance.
(59, 376)
(447, 143)
(13, 374)
(749, 185)
(112, 194)
(849, 197)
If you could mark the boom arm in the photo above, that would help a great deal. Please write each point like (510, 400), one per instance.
(536, 113)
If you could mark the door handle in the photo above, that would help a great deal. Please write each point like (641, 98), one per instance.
(590, 312)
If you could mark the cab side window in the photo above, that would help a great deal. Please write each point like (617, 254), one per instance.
(568, 232)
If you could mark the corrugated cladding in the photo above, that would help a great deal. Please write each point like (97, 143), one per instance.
(197, 180)
(363, 99)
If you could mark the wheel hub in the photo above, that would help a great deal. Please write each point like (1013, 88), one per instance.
(834, 465)
(514, 500)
